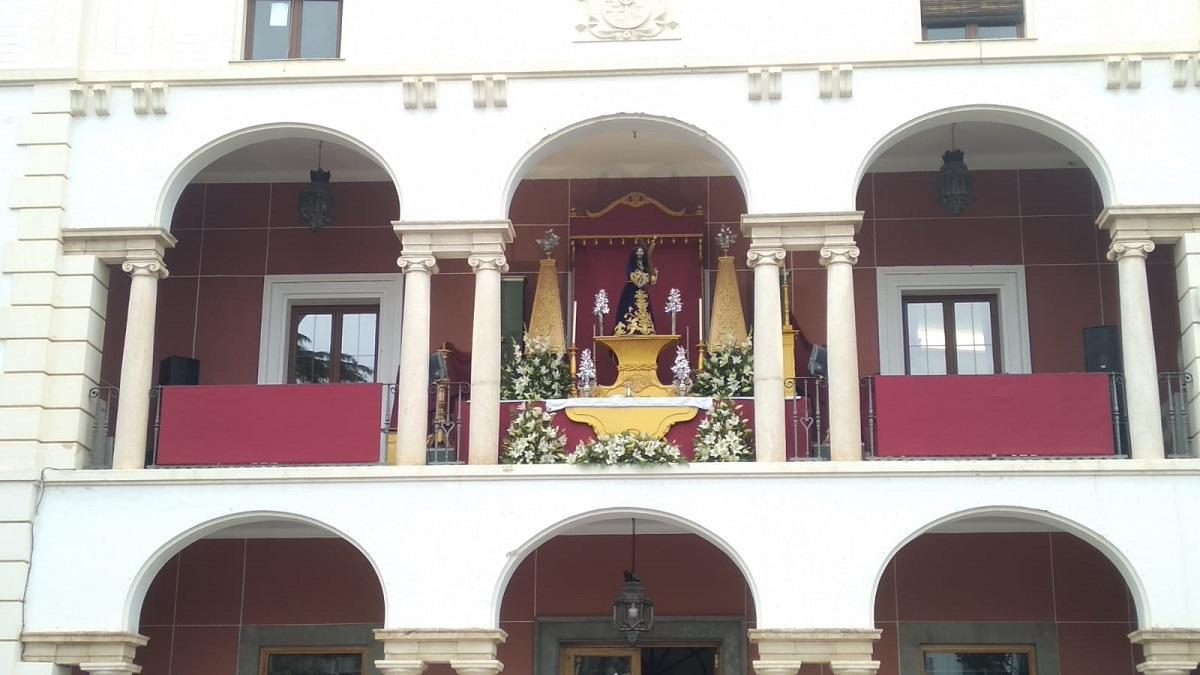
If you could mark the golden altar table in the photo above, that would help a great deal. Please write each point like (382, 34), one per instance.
(637, 364)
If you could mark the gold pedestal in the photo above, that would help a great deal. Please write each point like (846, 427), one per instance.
(546, 317)
(789, 361)
(727, 325)
(637, 364)
(609, 421)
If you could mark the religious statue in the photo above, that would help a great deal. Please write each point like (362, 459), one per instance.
(634, 316)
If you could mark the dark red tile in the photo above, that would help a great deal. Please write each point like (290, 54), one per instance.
(540, 202)
(236, 205)
(886, 650)
(184, 259)
(866, 313)
(808, 303)
(155, 657)
(864, 199)
(175, 320)
(914, 195)
(1164, 314)
(158, 609)
(525, 254)
(1110, 294)
(210, 583)
(516, 653)
(948, 241)
(114, 325)
(1056, 327)
(204, 650)
(336, 250)
(240, 252)
(885, 595)
(517, 603)
(1060, 240)
(189, 210)
(726, 200)
(975, 577)
(1094, 648)
(1087, 587)
(305, 581)
(452, 325)
(1056, 192)
(227, 333)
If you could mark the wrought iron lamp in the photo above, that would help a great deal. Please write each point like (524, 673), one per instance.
(633, 610)
(316, 201)
(955, 184)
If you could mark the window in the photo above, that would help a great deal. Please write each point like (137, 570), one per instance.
(293, 29)
(332, 344)
(951, 335)
(986, 307)
(312, 661)
(979, 660)
(972, 19)
(307, 304)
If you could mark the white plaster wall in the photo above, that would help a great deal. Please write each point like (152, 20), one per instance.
(39, 35)
(14, 107)
(487, 36)
(444, 539)
(799, 154)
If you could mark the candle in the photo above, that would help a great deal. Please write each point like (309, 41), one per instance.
(574, 309)
(700, 319)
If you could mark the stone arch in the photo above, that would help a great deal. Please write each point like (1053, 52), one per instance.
(187, 169)
(136, 595)
(1018, 117)
(518, 555)
(1060, 523)
(684, 132)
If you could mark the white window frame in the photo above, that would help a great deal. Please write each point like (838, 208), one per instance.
(282, 292)
(1006, 281)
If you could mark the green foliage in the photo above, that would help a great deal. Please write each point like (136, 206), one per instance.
(724, 436)
(532, 438)
(728, 371)
(626, 448)
(534, 373)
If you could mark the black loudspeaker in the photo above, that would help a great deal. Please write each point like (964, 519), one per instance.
(175, 370)
(818, 362)
(1102, 349)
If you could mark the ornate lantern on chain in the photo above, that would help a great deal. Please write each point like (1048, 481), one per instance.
(633, 610)
(317, 201)
(955, 184)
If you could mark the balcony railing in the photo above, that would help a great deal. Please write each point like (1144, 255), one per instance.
(1175, 395)
(1040, 415)
(807, 423)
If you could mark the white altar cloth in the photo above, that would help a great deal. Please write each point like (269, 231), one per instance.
(701, 402)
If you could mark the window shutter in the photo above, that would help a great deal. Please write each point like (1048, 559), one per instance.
(958, 12)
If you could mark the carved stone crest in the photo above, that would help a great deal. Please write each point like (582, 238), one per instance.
(614, 20)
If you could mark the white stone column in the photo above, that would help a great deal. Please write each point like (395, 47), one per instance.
(484, 442)
(845, 423)
(137, 364)
(769, 438)
(1137, 350)
(412, 389)
(1187, 281)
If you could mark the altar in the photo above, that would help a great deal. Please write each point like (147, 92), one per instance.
(622, 414)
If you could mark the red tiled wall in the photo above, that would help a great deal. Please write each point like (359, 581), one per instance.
(196, 606)
(1019, 577)
(230, 235)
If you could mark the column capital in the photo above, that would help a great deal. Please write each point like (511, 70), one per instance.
(477, 667)
(764, 667)
(145, 267)
(400, 667)
(837, 254)
(1130, 249)
(854, 667)
(488, 261)
(765, 256)
(110, 668)
(417, 263)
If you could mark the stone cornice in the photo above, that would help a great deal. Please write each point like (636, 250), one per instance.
(453, 238)
(1158, 223)
(115, 245)
(802, 231)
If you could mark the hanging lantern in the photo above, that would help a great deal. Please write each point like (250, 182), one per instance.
(317, 201)
(633, 610)
(955, 184)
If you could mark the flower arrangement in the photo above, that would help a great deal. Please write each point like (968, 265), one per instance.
(534, 373)
(682, 371)
(724, 436)
(600, 309)
(728, 371)
(532, 438)
(586, 377)
(673, 306)
(626, 448)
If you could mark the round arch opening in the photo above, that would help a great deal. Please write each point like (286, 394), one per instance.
(1022, 589)
(555, 597)
(257, 586)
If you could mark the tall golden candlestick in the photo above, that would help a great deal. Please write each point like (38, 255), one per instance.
(574, 380)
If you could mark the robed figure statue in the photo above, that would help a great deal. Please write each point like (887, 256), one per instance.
(634, 316)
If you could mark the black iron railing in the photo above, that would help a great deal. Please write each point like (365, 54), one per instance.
(866, 386)
(104, 416)
(1174, 390)
(805, 407)
(445, 440)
